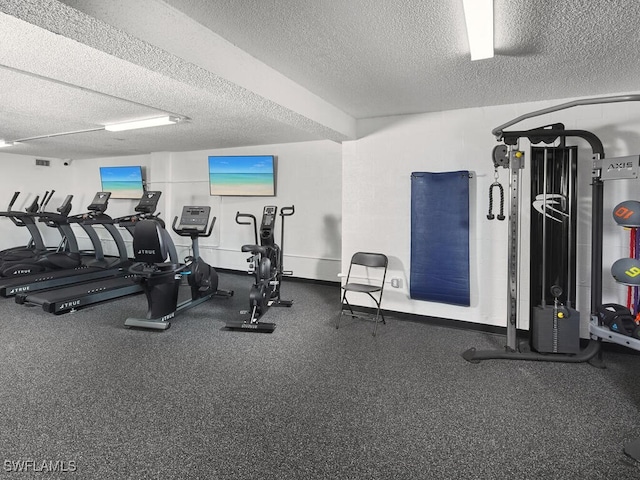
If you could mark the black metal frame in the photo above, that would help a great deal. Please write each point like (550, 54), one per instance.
(266, 264)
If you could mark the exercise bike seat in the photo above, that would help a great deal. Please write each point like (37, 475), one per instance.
(254, 249)
(149, 243)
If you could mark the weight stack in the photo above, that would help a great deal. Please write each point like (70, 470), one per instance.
(565, 338)
(555, 230)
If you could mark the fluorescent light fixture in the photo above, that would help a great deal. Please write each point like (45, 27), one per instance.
(478, 15)
(6, 144)
(150, 122)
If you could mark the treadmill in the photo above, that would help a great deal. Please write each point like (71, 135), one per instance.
(65, 256)
(75, 297)
(91, 268)
(25, 219)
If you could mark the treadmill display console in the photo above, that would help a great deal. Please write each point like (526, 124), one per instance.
(148, 202)
(100, 201)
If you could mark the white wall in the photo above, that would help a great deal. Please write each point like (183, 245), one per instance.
(357, 197)
(376, 197)
(20, 173)
(308, 177)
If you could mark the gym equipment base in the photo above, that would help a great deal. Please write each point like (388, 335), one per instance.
(246, 326)
(257, 326)
(164, 323)
(475, 356)
(610, 336)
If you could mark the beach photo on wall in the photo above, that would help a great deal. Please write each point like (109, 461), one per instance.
(122, 182)
(246, 175)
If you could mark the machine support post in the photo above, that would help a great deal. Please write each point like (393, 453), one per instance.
(516, 163)
(597, 228)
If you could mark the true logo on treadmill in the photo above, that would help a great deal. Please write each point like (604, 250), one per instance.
(22, 272)
(146, 252)
(15, 290)
(168, 317)
(70, 304)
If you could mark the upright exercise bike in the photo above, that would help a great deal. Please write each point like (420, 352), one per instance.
(266, 266)
(160, 279)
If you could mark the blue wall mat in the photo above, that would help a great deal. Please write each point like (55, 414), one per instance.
(440, 237)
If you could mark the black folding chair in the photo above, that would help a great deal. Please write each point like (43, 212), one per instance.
(372, 267)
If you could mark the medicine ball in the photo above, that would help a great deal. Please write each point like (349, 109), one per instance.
(627, 213)
(626, 271)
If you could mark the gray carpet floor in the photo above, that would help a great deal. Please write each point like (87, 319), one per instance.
(306, 402)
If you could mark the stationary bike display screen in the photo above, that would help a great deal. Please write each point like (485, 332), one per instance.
(266, 227)
(268, 216)
(194, 218)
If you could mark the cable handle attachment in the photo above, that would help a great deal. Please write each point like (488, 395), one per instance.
(496, 184)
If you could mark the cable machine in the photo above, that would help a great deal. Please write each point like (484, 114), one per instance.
(508, 156)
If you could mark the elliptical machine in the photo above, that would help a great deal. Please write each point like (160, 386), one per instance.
(161, 280)
(266, 265)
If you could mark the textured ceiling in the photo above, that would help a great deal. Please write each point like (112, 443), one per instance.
(278, 71)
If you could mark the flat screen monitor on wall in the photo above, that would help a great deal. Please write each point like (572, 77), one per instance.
(122, 182)
(243, 175)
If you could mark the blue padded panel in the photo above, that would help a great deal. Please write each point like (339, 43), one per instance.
(440, 237)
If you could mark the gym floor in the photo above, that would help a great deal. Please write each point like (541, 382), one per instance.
(306, 402)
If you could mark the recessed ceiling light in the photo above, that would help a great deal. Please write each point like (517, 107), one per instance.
(478, 15)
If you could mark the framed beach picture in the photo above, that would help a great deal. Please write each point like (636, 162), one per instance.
(242, 175)
(122, 182)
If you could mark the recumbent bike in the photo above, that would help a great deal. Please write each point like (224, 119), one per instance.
(160, 279)
(266, 266)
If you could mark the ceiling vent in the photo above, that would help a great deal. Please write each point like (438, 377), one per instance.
(43, 163)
